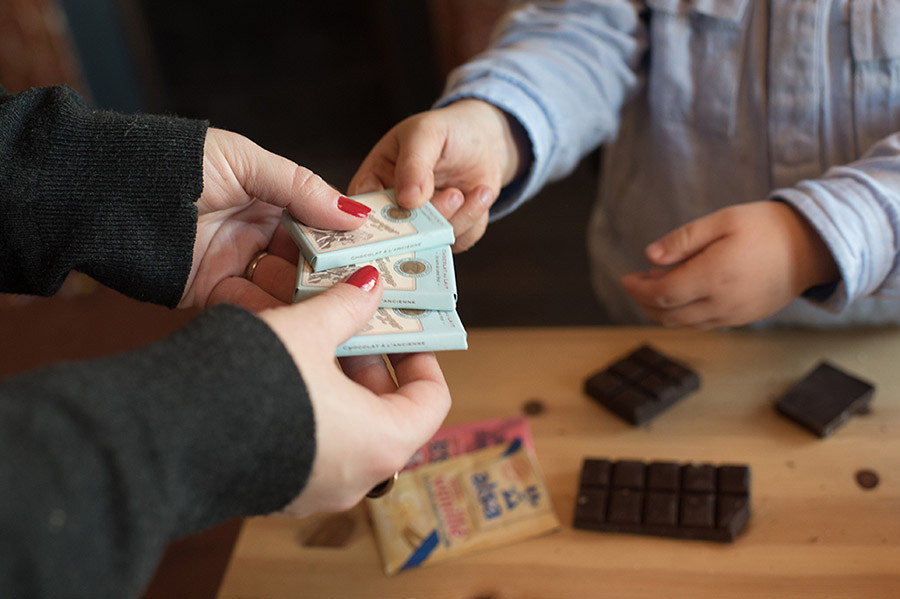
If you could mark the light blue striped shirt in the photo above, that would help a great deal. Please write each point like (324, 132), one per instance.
(701, 104)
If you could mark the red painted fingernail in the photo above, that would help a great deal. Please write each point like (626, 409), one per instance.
(353, 207)
(365, 278)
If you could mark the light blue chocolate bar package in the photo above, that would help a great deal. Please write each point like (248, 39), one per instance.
(388, 230)
(404, 330)
(423, 279)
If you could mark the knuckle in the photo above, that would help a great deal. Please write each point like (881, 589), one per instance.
(345, 308)
(305, 181)
(421, 126)
(664, 300)
(731, 216)
(687, 236)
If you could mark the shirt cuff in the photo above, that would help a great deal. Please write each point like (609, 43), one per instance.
(533, 124)
(856, 235)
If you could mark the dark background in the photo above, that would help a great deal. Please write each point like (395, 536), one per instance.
(321, 82)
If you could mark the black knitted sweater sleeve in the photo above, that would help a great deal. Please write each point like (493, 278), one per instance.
(102, 463)
(107, 194)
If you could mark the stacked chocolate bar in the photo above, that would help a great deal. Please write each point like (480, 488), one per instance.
(411, 249)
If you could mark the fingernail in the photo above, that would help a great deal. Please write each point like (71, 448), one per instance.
(365, 278)
(485, 196)
(409, 196)
(353, 207)
(655, 251)
(455, 201)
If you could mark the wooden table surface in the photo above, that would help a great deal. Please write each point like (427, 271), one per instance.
(814, 532)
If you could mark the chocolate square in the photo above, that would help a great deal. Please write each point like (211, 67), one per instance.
(629, 369)
(632, 404)
(625, 506)
(641, 385)
(686, 379)
(732, 512)
(698, 510)
(649, 356)
(628, 474)
(661, 509)
(698, 478)
(687, 501)
(825, 399)
(659, 387)
(734, 480)
(595, 473)
(607, 384)
(591, 506)
(663, 476)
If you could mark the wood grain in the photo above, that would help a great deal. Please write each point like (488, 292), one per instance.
(814, 532)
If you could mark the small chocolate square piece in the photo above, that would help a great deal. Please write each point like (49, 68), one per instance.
(685, 501)
(641, 385)
(734, 480)
(625, 507)
(699, 478)
(595, 473)
(591, 507)
(628, 474)
(661, 509)
(825, 399)
(698, 510)
(663, 476)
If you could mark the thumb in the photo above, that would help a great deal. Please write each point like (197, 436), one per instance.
(276, 180)
(685, 241)
(326, 321)
(414, 174)
(343, 310)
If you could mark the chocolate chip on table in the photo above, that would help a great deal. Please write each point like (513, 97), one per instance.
(867, 479)
(534, 407)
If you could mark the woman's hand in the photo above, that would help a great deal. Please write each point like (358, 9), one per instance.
(368, 424)
(245, 189)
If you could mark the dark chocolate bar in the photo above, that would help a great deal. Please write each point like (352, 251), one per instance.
(825, 399)
(641, 385)
(685, 501)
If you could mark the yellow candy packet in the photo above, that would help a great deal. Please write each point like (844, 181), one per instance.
(469, 502)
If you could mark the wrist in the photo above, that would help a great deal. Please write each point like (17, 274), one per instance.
(116, 201)
(814, 264)
(502, 136)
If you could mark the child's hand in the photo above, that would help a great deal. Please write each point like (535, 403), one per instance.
(459, 157)
(370, 417)
(732, 267)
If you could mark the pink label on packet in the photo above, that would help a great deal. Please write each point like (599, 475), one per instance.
(456, 440)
